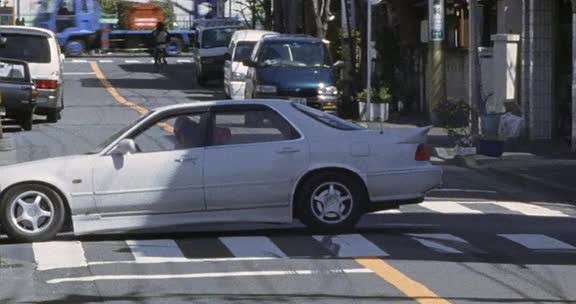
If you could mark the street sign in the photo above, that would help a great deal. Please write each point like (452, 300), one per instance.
(436, 19)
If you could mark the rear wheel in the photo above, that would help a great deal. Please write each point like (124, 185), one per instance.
(32, 213)
(330, 200)
(53, 116)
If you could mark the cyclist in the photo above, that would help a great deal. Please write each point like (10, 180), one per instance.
(161, 37)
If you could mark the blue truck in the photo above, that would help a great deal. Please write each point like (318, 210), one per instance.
(79, 28)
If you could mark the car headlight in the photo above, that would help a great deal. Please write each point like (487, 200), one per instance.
(236, 76)
(330, 90)
(266, 89)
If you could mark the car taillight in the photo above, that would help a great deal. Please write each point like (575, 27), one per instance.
(34, 94)
(422, 153)
(46, 84)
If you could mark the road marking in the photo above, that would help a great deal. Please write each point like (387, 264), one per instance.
(112, 90)
(210, 275)
(184, 61)
(155, 250)
(464, 190)
(131, 61)
(79, 73)
(58, 254)
(440, 242)
(391, 211)
(252, 246)
(184, 260)
(529, 209)
(349, 245)
(448, 207)
(538, 242)
(79, 61)
(105, 61)
(405, 284)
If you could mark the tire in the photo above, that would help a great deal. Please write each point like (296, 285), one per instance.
(345, 215)
(75, 48)
(49, 213)
(53, 116)
(27, 120)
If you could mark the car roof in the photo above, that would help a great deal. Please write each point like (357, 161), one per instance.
(250, 35)
(191, 105)
(26, 30)
(292, 37)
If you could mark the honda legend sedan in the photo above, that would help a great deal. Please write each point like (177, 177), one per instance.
(265, 161)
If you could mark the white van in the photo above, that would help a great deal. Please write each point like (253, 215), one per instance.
(39, 47)
(240, 49)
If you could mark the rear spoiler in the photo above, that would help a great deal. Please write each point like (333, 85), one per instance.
(415, 136)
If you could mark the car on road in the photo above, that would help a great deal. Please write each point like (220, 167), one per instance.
(38, 47)
(212, 40)
(17, 92)
(240, 49)
(295, 67)
(226, 161)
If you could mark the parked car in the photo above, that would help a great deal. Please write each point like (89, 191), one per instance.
(38, 47)
(212, 40)
(294, 67)
(240, 49)
(17, 92)
(226, 161)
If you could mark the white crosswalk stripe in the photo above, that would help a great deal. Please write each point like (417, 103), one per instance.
(530, 209)
(132, 61)
(59, 254)
(350, 245)
(252, 246)
(184, 61)
(146, 251)
(105, 61)
(79, 61)
(538, 242)
(448, 207)
(440, 242)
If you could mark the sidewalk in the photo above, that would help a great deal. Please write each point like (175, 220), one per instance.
(7, 150)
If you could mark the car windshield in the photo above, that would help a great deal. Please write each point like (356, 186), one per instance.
(327, 119)
(294, 53)
(243, 51)
(219, 37)
(30, 48)
(112, 138)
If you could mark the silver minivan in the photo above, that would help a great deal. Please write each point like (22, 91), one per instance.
(38, 47)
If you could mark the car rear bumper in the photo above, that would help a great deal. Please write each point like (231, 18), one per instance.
(48, 99)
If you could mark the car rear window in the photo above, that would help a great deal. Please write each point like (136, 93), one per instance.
(327, 119)
(28, 48)
(243, 51)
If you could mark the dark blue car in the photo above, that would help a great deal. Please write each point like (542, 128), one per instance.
(295, 67)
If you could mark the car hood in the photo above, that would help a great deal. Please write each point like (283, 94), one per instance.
(285, 77)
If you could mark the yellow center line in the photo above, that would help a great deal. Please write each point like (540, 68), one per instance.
(112, 90)
(413, 289)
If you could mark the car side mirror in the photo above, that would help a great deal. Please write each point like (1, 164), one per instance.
(249, 63)
(339, 64)
(125, 146)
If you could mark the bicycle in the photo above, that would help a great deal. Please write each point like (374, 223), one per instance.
(160, 61)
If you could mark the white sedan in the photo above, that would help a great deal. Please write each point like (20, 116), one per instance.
(249, 161)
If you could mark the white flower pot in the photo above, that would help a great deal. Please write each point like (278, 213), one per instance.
(379, 111)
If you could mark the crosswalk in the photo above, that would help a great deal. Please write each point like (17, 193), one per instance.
(75, 254)
(127, 61)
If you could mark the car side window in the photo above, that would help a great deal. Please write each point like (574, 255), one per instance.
(12, 72)
(249, 127)
(179, 132)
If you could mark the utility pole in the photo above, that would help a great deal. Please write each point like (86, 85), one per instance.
(436, 84)
(573, 139)
(473, 63)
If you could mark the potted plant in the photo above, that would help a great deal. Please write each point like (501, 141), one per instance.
(379, 104)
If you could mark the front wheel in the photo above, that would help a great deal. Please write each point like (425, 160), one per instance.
(32, 213)
(330, 200)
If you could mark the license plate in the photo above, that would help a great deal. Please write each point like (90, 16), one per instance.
(300, 100)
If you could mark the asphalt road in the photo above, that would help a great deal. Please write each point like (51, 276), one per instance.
(478, 240)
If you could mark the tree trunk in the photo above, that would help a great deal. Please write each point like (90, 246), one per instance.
(267, 5)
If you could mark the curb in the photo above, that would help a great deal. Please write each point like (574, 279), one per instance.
(7, 143)
(7, 150)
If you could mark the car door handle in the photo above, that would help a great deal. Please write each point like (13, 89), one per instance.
(186, 159)
(287, 150)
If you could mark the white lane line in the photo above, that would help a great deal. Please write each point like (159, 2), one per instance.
(58, 254)
(183, 260)
(210, 275)
(439, 242)
(529, 209)
(200, 95)
(79, 61)
(155, 250)
(252, 246)
(538, 242)
(184, 61)
(105, 61)
(448, 207)
(131, 61)
(464, 190)
(350, 245)
(391, 211)
(79, 73)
